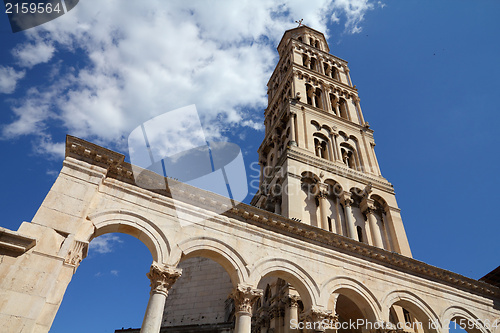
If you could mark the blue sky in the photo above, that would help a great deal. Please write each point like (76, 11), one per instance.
(427, 74)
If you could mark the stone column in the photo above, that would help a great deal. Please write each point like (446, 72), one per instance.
(368, 208)
(277, 205)
(162, 278)
(243, 297)
(322, 209)
(291, 311)
(375, 228)
(348, 215)
(320, 319)
(293, 142)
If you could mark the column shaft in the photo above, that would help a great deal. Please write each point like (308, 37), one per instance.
(154, 313)
(375, 229)
(162, 278)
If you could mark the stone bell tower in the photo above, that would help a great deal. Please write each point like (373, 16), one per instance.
(318, 163)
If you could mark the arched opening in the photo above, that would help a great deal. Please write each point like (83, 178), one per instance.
(349, 156)
(309, 192)
(305, 60)
(411, 315)
(110, 287)
(198, 301)
(283, 303)
(335, 211)
(312, 64)
(309, 94)
(318, 98)
(355, 313)
(321, 146)
(343, 108)
(333, 103)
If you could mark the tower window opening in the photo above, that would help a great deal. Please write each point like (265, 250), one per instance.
(305, 60)
(312, 64)
(310, 94)
(330, 227)
(333, 103)
(343, 108)
(334, 73)
(321, 147)
(317, 98)
(348, 157)
(360, 233)
(316, 44)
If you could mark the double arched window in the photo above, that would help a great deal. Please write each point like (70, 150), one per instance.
(349, 156)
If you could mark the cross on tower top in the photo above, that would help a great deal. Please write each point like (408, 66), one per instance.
(299, 22)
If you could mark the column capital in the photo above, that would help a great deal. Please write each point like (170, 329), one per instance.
(291, 301)
(322, 194)
(346, 198)
(367, 206)
(244, 296)
(162, 277)
(326, 318)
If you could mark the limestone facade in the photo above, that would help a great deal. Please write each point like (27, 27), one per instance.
(284, 259)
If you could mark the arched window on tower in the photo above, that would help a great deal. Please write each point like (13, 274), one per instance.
(343, 108)
(309, 94)
(300, 39)
(317, 98)
(316, 44)
(349, 156)
(333, 103)
(305, 60)
(312, 64)
(321, 146)
(334, 73)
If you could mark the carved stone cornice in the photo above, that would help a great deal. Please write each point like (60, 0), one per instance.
(244, 296)
(162, 277)
(14, 243)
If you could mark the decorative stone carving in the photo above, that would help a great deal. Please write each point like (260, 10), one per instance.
(326, 317)
(162, 277)
(244, 297)
(77, 253)
(291, 301)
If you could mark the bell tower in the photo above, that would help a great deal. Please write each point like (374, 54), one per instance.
(318, 162)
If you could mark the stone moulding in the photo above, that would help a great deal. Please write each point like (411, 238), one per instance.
(93, 154)
(15, 243)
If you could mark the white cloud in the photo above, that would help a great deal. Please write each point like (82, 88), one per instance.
(104, 244)
(114, 272)
(354, 11)
(134, 60)
(8, 79)
(31, 54)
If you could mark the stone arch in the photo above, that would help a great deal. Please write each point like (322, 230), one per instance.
(414, 304)
(356, 291)
(135, 225)
(216, 250)
(288, 270)
(457, 313)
